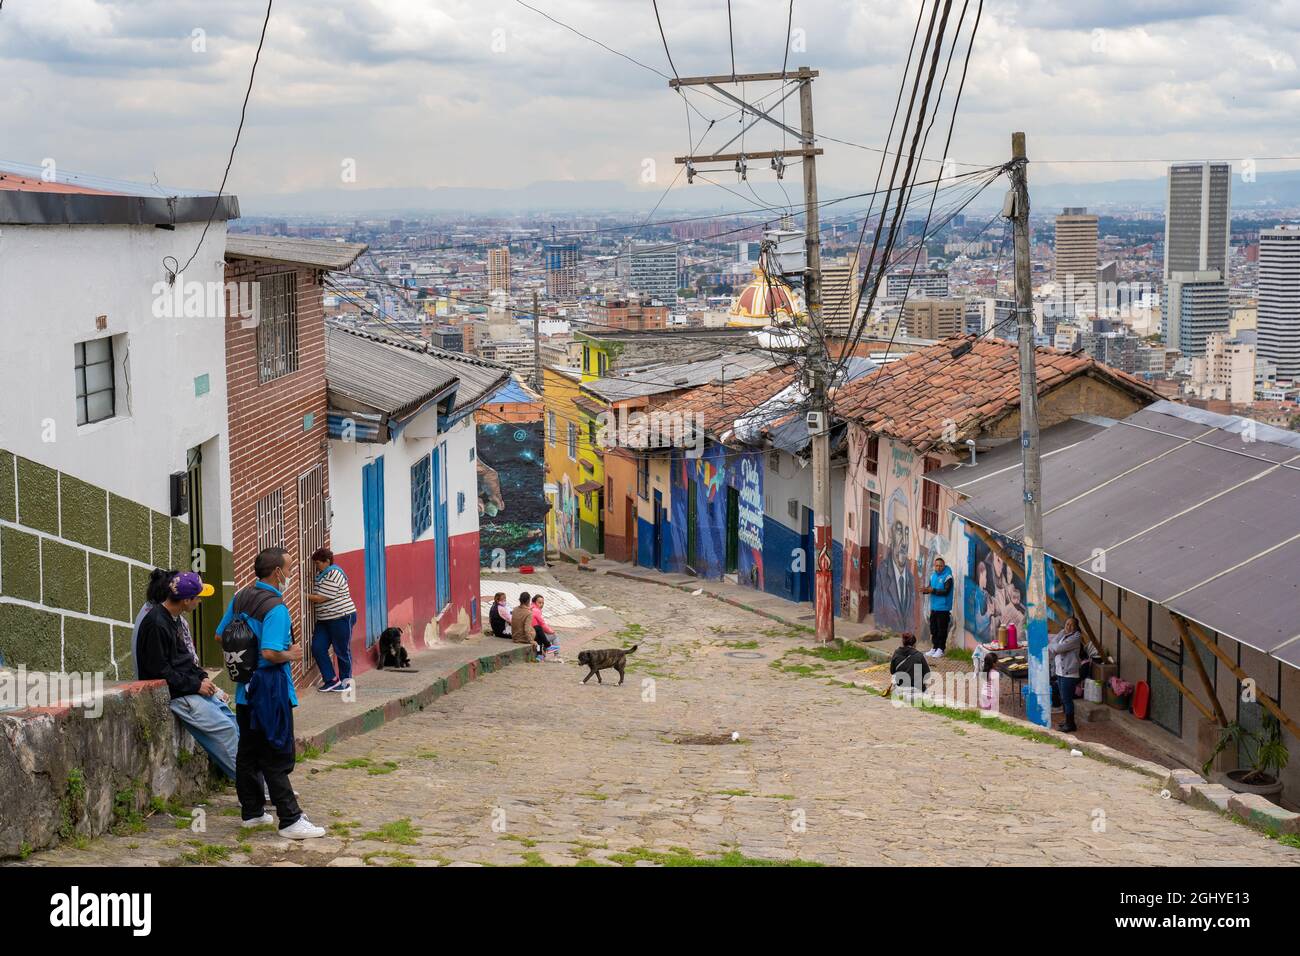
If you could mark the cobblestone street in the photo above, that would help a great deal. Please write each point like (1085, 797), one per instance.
(527, 766)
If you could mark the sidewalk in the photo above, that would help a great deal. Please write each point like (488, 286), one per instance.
(385, 695)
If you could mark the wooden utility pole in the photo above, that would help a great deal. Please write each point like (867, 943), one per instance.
(1038, 706)
(537, 346)
(817, 363)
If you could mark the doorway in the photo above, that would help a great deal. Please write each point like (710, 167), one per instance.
(692, 533)
(629, 529)
(372, 502)
(657, 549)
(733, 531)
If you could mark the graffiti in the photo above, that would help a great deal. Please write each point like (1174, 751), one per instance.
(711, 475)
(511, 503)
(895, 593)
(751, 504)
(566, 516)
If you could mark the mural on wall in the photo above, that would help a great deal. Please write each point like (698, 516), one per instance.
(566, 515)
(747, 479)
(511, 502)
(994, 595)
(896, 585)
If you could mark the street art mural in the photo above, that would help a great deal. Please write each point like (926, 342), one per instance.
(896, 578)
(511, 501)
(994, 595)
(747, 478)
(566, 515)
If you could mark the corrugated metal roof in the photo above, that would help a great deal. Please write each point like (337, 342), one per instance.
(1197, 512)
(319, 253)
(390, 377)
(673, 376)
(992, 465)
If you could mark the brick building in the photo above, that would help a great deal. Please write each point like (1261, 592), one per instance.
(275, 381)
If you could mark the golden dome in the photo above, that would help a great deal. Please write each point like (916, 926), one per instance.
(767, 300)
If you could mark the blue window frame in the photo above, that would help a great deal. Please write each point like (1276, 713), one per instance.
(421, 497)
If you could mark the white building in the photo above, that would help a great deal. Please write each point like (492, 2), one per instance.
(652, 268)
(1226, 371)
(1278, 321)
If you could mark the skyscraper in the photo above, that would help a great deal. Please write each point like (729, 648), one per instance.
(841, 283)
(498, 269)
(652, 268)
(1197, 218)
(1076, 258)
(1278, 324)
(561, 268)
(1196, 305)
(934, 318)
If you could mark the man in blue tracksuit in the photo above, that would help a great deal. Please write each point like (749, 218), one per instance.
(266, 742)
(940, 591)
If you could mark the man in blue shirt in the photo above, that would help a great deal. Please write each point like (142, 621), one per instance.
(271, 692)
(940, 591)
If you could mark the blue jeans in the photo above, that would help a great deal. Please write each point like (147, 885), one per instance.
(1067, 685)
(338, 635)
(213, 727)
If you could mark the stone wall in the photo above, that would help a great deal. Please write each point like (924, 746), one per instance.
(65, 774)
(74, 562)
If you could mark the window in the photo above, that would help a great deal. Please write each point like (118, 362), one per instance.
(602, 363)
(586, 359)
(460, 502)
(643, 477)
(873, 455)
(421, 496)
(573, 441)
(270, 521)
(587, 500)
(550, 429)
(591, 435)
(930, 499)
(609, 494)
(473, 453)
(96, 397)
(277, 330)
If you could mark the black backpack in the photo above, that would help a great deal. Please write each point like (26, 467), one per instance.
(239, 644)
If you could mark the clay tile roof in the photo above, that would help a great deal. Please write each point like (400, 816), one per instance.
(915, 398)
(720, 404)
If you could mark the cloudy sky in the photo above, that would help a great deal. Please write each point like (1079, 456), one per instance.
(488, 93)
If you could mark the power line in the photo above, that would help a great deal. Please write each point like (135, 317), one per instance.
(171, 274)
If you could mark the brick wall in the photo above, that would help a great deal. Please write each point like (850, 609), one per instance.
(271, 443)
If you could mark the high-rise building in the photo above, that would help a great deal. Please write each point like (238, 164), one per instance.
(561, 269)
(1198, 217)
(1278, 316)
(841, 285)
(934, 318)
(652, 269)
(498, 270)
(1076, 258)
(1226, 372)
(1195, 306)
(929, 285)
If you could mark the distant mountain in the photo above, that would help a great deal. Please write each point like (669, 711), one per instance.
(1270, 190)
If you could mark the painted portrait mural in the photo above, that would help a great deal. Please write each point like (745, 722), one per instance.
(566, 515)
(511, 501)
(896, 582)
(994, 595)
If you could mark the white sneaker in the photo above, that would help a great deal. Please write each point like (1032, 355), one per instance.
(258, 821)
(303, 829)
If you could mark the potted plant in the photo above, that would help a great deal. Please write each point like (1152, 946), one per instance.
(1267, 754)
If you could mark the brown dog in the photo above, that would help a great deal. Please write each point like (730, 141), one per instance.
(597, 661)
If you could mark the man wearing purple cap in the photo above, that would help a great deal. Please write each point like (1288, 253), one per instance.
(162, 653)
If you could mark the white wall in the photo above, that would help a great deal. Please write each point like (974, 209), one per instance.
(55, 280)
(348, 458)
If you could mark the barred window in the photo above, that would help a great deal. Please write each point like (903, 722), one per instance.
(96, 396)
(573, 441)
(421, 496)
(873, 454)
(643, 477)
(930, 499)
(277, 327)
(550, 428)
(270, 521)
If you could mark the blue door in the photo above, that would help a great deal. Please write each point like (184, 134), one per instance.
(443, 556)
(372, 501)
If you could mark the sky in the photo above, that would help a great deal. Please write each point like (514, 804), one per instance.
(488, 93)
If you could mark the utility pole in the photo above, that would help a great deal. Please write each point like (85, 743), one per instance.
(1038, 706)
(537, 345)
(816, 365)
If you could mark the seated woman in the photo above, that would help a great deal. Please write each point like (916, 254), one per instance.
(908, 667)
(499, 616)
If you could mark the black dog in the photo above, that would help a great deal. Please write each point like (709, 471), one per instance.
(597, 661)
(391, 651)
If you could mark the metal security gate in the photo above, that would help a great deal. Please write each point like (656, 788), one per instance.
(1166, 701)
(311, 535)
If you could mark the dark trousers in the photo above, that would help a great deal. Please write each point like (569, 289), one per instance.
(1067, 685)
(336, 634)
(255, 760)
(939, 621)
(540, 639)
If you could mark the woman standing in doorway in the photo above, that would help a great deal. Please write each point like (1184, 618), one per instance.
(335, 616)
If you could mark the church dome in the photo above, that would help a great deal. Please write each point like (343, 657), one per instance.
(767, 300)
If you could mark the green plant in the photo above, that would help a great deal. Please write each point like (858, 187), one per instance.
(1264, 750)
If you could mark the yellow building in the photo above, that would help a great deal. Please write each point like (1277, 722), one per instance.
(574, 464)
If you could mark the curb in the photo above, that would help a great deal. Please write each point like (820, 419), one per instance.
(414, 702)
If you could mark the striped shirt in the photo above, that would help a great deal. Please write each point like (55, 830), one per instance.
(332, 584)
